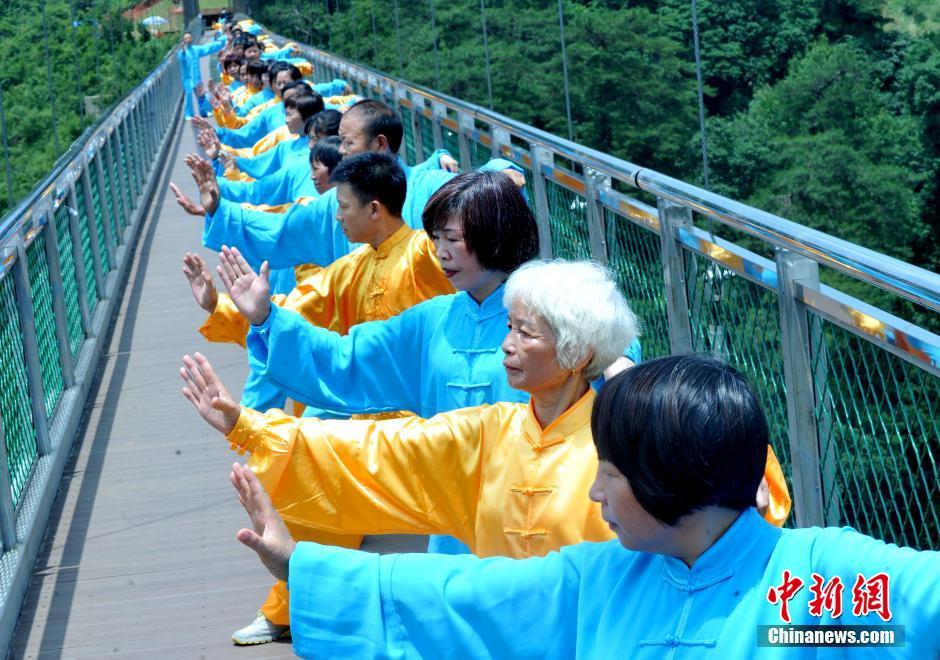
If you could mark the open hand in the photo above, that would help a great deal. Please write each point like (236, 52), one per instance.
(515, 176)
(200, 279)
(208, 395)
(250, 291)
(209, 141)
(202, 123)
(191, 207)
(204, 176)
(448, 163)
(269, 536)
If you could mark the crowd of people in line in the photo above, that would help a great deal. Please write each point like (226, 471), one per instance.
(414, 368)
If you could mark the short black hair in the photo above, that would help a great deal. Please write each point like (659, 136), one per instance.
(257, 68)
(374, 176)
(686, 431)
(498, 226)
(295, 73)
(305, 89)
(380, 120)
(325, 123)
(326, 152)
(306, 104)
(275, 66)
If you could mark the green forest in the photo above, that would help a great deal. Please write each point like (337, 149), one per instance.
(824, 111)
(92, 50)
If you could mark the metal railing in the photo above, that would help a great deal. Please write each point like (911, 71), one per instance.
(852, 392)
(64, 256)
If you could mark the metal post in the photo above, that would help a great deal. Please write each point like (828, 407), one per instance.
(92, 232)
(564, 66)
(499, 138)
(672, 217)
(6, 148)
(597, 227)
(115, 192)
(794, 270)
(75, 235)
(51, 241)
(417, 108)
(466, 126)
(439, 112)
(399, 93)
(55, 120)
(107, 218)
(7, 511)
(542, 156)
(117, 146)
(138, 152)
(437, 59)
(24, 303)
(486, 55)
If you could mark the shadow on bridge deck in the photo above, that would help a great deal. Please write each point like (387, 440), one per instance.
(140, 559)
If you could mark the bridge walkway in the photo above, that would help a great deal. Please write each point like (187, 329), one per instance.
(139, 558)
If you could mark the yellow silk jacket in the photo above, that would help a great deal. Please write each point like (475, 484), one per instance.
(269, 141)
(490, 475)
(368, 284)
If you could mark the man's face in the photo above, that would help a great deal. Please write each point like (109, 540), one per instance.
(356, 219)
(253, 79)
(253, 53)
(280, 80)
(187, 39)
(355, 138)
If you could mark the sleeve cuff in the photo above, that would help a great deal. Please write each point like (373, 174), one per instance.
(500, 164)
(244, 437)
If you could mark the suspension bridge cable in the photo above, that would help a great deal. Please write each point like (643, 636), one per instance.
(486, 55)
(564, 67)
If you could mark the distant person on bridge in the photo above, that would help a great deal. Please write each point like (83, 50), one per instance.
(189, 57)
(691, 569)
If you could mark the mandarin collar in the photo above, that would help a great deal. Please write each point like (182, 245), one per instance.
(392, 241)
(750, 538)
(570, 422)
(491, 306)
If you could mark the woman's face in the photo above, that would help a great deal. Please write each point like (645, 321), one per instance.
(635, 528)
(295, 123)
(321, 176)
(460, 265)
(531, 361)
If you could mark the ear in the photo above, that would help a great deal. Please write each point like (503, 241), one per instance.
(375, 208)
(582, 364)
(381, 142)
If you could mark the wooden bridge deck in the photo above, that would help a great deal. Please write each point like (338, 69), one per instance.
(140, 559)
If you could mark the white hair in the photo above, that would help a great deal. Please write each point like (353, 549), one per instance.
(582, 305)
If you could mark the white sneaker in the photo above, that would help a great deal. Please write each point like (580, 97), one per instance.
(259, 631)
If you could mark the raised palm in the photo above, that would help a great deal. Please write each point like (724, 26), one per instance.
(208, 395)
(249, 291)
(204, 176)
(200, 280)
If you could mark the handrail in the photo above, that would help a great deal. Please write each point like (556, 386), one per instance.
(909, 281)
(8, 222)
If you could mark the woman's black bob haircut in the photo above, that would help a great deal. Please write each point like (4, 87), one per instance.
(326, 152)
(686, 431)
(308, 105)
(325, 123)
(498, 226)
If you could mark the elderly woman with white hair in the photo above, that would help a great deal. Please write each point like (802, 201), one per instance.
(507, 479)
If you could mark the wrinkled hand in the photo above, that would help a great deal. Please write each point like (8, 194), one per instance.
(228, 160)
(515, 176)
(204, 176)
(209, 141)
(208, 395)
(250, 292)
(269, 536)
(188, 205)
(202, 123)
(448, 163)
(225, 98)
(200, 279)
